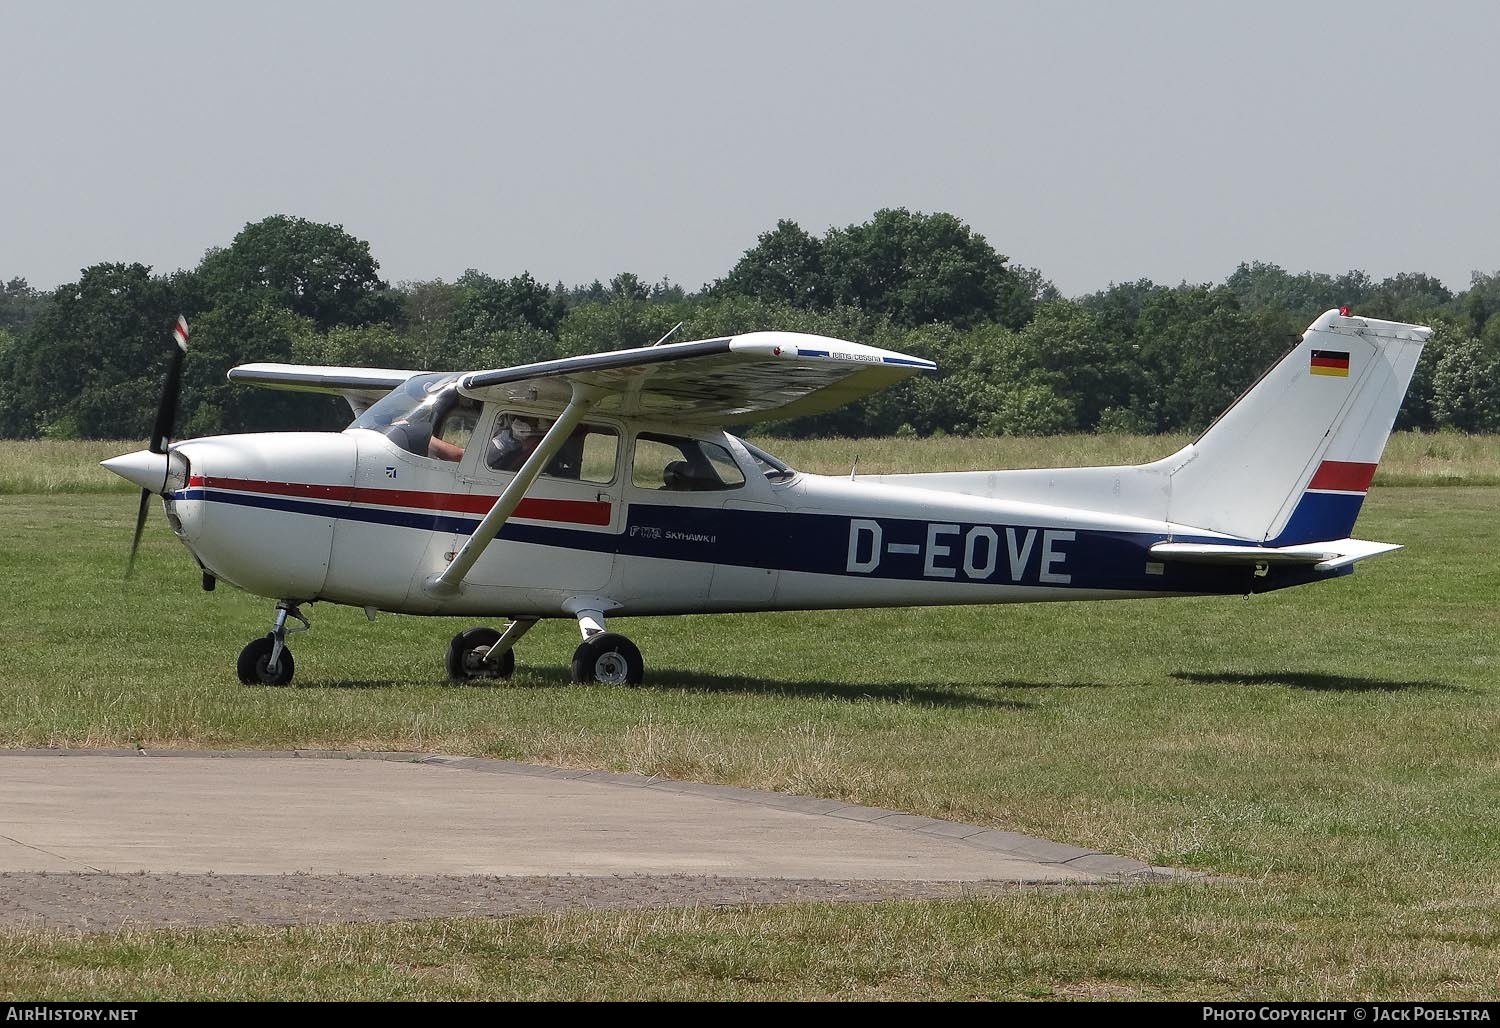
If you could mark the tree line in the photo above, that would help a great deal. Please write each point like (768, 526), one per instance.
(87, 359)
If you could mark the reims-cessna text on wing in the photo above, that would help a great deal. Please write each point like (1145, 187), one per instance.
(606, 486)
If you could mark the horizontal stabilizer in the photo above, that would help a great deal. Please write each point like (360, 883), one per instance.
(1325, 556)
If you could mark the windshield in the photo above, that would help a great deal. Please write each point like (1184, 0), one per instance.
(774, 469)
(408, 414)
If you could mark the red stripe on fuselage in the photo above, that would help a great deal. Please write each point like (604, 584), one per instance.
(573, 512)
(1343, 476)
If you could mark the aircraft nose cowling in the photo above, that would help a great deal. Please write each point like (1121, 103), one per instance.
(259, 510)
(143, 468)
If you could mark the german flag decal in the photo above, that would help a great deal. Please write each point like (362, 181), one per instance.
(1330, 362)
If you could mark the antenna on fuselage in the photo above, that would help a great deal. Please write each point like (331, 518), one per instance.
(669, 334)
(853, 466)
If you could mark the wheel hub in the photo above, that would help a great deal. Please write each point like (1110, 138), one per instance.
(611, 668)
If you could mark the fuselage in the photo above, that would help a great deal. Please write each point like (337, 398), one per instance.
(353, 518)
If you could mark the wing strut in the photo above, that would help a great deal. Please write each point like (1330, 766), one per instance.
(447, 583)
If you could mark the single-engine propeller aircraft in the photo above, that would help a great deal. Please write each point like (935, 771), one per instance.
(607, 486)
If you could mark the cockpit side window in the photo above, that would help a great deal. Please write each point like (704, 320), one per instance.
(416, 416)
(777, 471)
(452, 435)
(588, 455)
(682, 464)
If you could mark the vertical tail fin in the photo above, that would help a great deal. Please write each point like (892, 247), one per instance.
(1291, 461)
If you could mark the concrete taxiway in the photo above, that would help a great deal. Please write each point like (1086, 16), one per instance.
(250, 817)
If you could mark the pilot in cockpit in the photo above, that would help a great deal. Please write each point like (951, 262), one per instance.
(515, 440)
(433, 409)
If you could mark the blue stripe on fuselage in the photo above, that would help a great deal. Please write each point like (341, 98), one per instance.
(930, 551)
(843, 545)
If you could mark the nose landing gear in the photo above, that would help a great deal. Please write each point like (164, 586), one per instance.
(267, 661)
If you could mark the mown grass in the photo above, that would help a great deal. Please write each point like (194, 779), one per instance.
(1221, 942)
(1332, 748)
(1411, 458)
(53, 466)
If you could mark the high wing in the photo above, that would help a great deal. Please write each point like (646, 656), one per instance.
(710, 382)
(360, 386)
(750, 377)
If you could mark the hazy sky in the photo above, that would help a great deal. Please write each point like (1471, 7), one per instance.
(1095, 141)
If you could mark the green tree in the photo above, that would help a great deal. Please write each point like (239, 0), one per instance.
(977, 371)
(19, 305)
(1481, 301)
(1303, 296)
(15, 420)
(487, 305)
(784, 266)
(93, 362)
(922, 268)
(319, 272)
(1032, 409)
(1466, 383)
(470, 351)
(426, 308)
(1409, 296)
(1417, 408)
(1199, 350)
(240, 331)
(1117, 309)
(1088, 368)
(728, 315)
(1262, 286)
(628, 286)
(366, 346)
(667, 291)
(497, 323)
(622, 322)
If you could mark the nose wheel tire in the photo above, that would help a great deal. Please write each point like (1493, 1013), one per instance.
(465, 660)
(254, 665)
(608, 659)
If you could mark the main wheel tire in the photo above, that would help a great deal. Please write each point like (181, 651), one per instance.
(254, 665)
(465, 659)
(608, 659)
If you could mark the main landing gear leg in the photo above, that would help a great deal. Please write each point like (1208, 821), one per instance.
(483, 653)
(605, 657)
(267, 661)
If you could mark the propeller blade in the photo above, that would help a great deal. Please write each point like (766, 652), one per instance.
(161, 432)
(140, 524)
(166, 414)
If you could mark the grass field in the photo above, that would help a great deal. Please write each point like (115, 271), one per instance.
(1335, 750)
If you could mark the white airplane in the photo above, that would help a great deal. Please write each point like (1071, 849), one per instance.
(606, 486)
